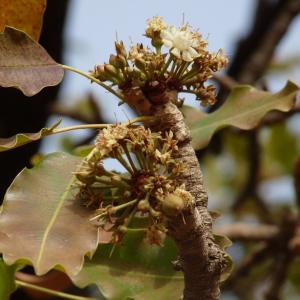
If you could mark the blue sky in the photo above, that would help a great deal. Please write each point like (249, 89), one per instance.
(92, 26)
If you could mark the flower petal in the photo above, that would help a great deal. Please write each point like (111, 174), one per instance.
(193, 52)
(168, 43)
(176, 52)
(165, 34)
(186, 56)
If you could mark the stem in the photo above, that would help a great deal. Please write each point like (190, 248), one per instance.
(93, 79)
(170, 59)
(100, 126)
(123, 162)
(189, 74)
(76, 127)
(182, 69)
(129, 157)
(112, 181)
(114, 209)
(50, 292)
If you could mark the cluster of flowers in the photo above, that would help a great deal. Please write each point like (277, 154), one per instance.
(148, 190)
(185, 67)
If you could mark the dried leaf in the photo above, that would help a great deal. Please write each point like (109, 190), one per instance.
(25, 138)
(26, 65)
(26, 15)
(135, 270)
(41, 222)
(244, 108)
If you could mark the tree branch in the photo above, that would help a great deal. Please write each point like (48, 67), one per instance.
(247, 233)
(202, 260)
(258, 61)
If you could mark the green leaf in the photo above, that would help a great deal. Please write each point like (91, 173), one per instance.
(41, 223)
(244, 108)
(26, 65)
(224, 242)
(83, 150)
(191, 114)
(24, 138)
(7, 280)
(24, 15)
(135, 270)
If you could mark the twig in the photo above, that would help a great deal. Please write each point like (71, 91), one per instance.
(248, 233)
(258, 61)
(257, 256)
(279, 274)
(249, 189)
(277, 246)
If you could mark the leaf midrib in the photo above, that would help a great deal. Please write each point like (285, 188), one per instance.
(52, 221)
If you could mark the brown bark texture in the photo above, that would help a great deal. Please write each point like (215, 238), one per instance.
(201, 260)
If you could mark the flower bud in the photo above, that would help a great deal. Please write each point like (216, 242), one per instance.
(120, 49)
(143, 205)
(117, 61)
(140, 63)
(113, 74)
(85, 177)
(175, 203)
(100, 73)
(111, 70)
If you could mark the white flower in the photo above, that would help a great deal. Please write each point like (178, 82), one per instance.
(181, 41)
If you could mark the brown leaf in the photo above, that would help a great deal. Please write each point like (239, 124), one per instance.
(26, 65)
(41, 221)
(26, 15)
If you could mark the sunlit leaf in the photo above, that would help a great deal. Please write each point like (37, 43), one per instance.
(7, 280)
(244, 109)
(135, 270)
(26, 65)
(26, 15)
(41, 223)
(191, 114)
(24, 138)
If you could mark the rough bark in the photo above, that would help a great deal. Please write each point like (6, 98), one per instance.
(201, 259)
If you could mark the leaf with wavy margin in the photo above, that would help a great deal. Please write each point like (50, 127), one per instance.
(26, 65)
(244, 108)
(7, 280)
(26, 15)
(25, 138)
(135, 270)
(41, 223)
